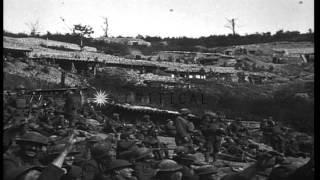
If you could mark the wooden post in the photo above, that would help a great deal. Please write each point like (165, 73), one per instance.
(94, 69)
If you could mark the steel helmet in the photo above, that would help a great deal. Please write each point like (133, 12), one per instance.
(34, 137)
(168, 165)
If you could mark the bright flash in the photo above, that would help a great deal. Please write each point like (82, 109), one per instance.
(100, 98)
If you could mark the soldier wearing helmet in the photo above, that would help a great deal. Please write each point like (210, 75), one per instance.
(120, 170)
(145, 123)
(111, 125)
(144, 165)
(55, 150)
(21, 89)
(189, 163)
(169, 170)
(212, 131)
(102, 154)
(30, 146)
(20, 98)
(170, 129)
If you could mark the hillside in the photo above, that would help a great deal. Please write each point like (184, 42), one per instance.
(287, 82)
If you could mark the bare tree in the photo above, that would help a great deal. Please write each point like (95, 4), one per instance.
(105, 27)
(34, 27)
(83, 31)
(231, 25)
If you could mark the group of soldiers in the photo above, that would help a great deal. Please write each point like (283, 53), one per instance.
(46, 141)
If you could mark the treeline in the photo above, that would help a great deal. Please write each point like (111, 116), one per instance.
(185, 43)
(180, 43)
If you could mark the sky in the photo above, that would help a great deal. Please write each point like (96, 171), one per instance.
(164, 18)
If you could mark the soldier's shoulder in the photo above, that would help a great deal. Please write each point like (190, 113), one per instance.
(11, 157)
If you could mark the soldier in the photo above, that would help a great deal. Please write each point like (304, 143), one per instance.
(213, 130)
(126, 145)
(188, 162)
(266, 128)
(170, 129)
(20, 101)
(168, 170)
(55, 150)
(184, 129)
(151, 141)
(120, 170)
(90, 142)
(70, 108)
(101, 156)
(68, 166)
(146, 122)
(144, 164)
(111, 124)
(277, 139)
(53, 171)
(235, 127)
(31, 145)
(264, 162)
(273, 134)
(59, 122)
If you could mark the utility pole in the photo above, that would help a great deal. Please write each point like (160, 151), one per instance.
(231, 25)
(105, 27)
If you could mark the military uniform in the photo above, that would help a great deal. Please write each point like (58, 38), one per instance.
(18, 158)
(144, 166)
(184, 130)
(95, 167)
(277, 139)
(70, 109)
(118, 165)
(213, 133)
(171, 129)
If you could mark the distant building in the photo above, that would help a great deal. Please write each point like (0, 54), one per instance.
(126, 41)
(304, 54)
(138, 42)
(229, 52)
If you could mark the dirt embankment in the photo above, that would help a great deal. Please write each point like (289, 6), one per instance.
(35, 76)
